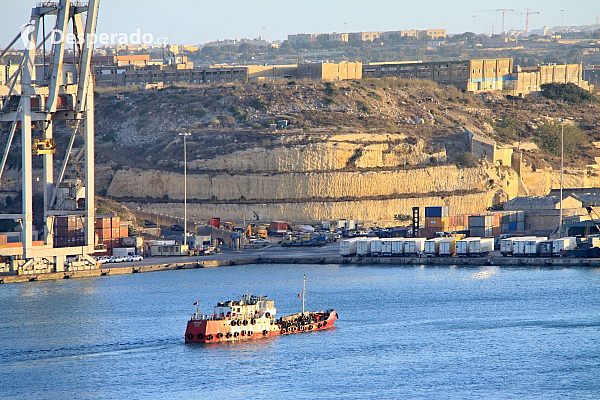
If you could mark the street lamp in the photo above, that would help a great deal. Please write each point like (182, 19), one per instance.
(562, 152)
(185, 135)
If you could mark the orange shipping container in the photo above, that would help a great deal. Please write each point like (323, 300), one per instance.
(115, 222)
(124, 231)
(116, 232)
(3, 240)
(103, 222)
(439, 222)
(104, 233)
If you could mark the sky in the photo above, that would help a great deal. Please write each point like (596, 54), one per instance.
(198, 21)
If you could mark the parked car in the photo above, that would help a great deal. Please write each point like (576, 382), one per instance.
(260, 241)
(176, 228)
(134, 258)
(116, 259)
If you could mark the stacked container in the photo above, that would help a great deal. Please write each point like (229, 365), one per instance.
(68, 231)
(437, 217)
(110, 232)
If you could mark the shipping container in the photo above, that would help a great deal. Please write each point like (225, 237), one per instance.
(386, 246)
(506, 227)
(414, 246)
(124, 231)
(546, 248)
(348, 247)
(463, 246)
(376, 247)
(520, 226)
(363, 247)
(519, 246)
(512, 226)
(326, 225)
(448, 246)
(480, 221)
(342, 224)
(278, 226)
(520, 216)
(481, 231)
(3, 240)
(116, 232)
(115, 222)
(507, 245)
(560, 246)
(532, 246)
(437, 212)
(437, 222)
(432, 247)
(103, 233)
(398, 246)
(480, 247)
(429, 233)
(216, 222)
(102, 222)
(352, 225)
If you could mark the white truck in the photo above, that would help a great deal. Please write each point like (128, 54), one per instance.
(432, 247)
(559, 246)
(463, 245)
(532, 246)
(481, 247)
(348, 247)
(507, 244)
(414, 246)
(448, 246)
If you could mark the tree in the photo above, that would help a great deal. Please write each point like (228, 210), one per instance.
(547, 138)
(569, 92)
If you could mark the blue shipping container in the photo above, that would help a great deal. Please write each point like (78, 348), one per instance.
(436, 212)
(512, 226)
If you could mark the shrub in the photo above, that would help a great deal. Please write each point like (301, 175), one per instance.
(568, 92)
(547, 137)
(466, 160)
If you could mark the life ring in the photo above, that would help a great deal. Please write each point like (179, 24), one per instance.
(200, 336)
(245, 322)
(236, 334)
(219, 335)
(324, 323)
(252, 321)
(265, 332)
(190, 336)
(268, 315)
(233, 323)
(243, 333)
(209, 337)
(319, 325)
(310, 327)
(250, 333)
(228, 335)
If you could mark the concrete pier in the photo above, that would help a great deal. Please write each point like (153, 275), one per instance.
(399, 261)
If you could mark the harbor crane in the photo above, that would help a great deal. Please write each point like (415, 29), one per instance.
(36, 96)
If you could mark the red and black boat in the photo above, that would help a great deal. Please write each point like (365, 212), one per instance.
(252, 317)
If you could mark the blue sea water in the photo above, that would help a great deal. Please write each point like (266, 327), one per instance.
(403, 333)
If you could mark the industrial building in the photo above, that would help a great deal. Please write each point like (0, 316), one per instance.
(366, 36)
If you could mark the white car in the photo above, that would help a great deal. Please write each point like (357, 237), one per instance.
(134, 258)
(116, 259)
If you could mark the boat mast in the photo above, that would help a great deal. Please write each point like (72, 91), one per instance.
(303, 292)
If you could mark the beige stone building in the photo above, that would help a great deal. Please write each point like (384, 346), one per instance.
(330, 72)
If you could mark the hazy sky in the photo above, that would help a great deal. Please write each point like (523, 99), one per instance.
(199, 21)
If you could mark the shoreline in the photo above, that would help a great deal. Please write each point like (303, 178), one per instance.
(396, 261)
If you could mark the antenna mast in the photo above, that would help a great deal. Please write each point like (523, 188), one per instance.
(303, 292)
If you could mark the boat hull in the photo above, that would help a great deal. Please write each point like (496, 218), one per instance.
(229, 330)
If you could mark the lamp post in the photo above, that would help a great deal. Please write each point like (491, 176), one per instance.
(562, 151)
(185, 135)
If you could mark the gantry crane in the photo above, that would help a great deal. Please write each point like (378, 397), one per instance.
(35, 97)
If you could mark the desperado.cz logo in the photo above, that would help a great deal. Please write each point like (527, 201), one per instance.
(57, 36)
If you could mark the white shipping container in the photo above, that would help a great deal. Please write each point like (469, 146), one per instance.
(432, 247)
(507, 245)
(376, 247)
(363, 247)
(352, 224)
(386, 247)
(348, 247)
(481, 247)
(463, 246)
(566, 243)
(414, 245)
(532, 246)
(448, 246)
(398, 247)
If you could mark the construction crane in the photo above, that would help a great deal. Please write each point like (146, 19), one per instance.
(528, 13)
(34, 98)
(504, 10)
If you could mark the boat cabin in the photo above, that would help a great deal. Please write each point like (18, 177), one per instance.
(248, 307)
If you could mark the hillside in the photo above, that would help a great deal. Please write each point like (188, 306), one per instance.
(369, 149)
